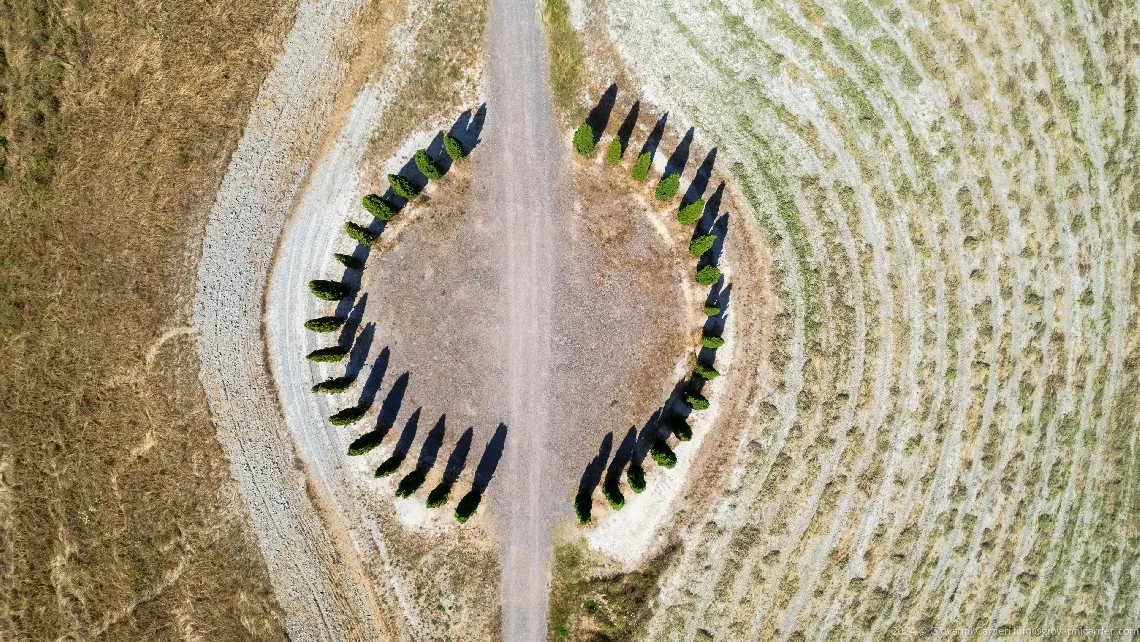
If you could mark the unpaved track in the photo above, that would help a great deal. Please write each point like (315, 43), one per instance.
(316, 579)
(519, 168)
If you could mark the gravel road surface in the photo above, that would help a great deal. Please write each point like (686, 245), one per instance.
(520, 166)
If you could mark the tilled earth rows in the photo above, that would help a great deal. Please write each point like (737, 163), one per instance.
(945, 186)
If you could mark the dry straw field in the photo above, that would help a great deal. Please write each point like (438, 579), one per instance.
(949, 195)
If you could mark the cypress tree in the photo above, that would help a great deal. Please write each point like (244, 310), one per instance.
(681, 429)
(336, 384)
(711, 310)
(438, 495)
(701, 244)
(706, 371)
(327, 355)
(324, 324)
(427, 165)
(583, 506)
(410, 483)
(690, 213)
(709, 341)
(668, 187)
(613, 153)
(347, 416)
(662, 454)
(636, 477)
(328, 290)
(584, 139)
(379, 208)
(403, 186)
(453, 147)
(349, 261)
(365, 443)
(467, 506)
(389, 466)
(612, 492)
(360, 234)
(708, 275)
(696, 401)
(640, 170)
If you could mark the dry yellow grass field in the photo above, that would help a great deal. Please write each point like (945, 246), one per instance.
(118, 516)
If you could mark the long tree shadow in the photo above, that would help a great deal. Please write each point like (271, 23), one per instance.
(626, 130)
(390, 408)
(623, 455)
(599, 117)
(375, 379)
(655, 136)
(428, 452)
(701, 179)
(591, 477)
(484, 472)
(455, 464)
(352, 322)
(403, 445)
(358, 355)
(489, 462)
(430, 448)
(458, 458)
(680, 156)
(468, 127)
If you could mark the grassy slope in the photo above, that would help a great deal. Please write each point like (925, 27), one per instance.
(117, 513)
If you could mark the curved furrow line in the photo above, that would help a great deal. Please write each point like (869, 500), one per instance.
(1033, 544)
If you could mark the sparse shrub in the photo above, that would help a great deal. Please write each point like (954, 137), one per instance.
(706, 371)
(328, 290)
(583, 506)
(347, 416)
(327, 355)
(709, 341)
(389, 466)
(349, 261)
(635, 475)
(402, 186)
(691, 213)
(701, 244)
(467, 506)
(641, 166)
(365, 443)
(662, 454)
(427, 166)
(612, 492)
(438, 495)
(696, 401)
(336, 384)
(360, 234)
(324, 324)
(379, 208)
(453, 147)
(613, 152)
(681, 429)
(712, 310)
(584, 139)
(410, 483)
(668, 187)
(708, 275)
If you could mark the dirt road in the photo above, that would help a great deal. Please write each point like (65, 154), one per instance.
(520, 168)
